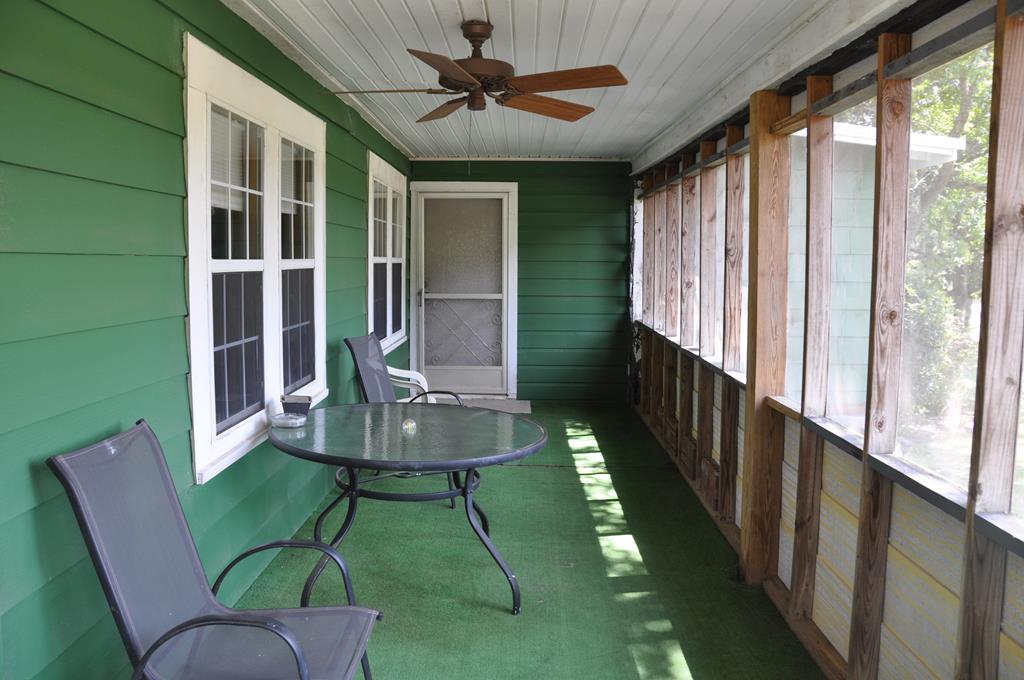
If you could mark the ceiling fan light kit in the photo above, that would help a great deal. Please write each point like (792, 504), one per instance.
(477, 77)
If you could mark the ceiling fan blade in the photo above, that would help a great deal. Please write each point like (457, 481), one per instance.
(446, 109)
(569, 79)
(546, 106)
(426, 90)
(446, 67)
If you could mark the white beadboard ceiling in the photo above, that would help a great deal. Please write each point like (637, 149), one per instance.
(677, 54)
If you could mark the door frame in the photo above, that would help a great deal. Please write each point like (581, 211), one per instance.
(509, 192)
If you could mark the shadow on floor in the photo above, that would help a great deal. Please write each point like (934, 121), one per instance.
(624, 575)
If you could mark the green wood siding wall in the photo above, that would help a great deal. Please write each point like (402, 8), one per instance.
(92, 315)
(573, 271)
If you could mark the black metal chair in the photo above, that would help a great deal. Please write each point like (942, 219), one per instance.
(377, 383)
(168, 615)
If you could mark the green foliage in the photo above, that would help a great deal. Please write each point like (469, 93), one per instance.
(945, 233)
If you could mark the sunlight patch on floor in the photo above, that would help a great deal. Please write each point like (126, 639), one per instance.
(622, 556)
(653, 645)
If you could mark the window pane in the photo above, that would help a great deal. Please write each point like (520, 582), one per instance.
(380, 299)
(720, 191)
(287, 169)
(238, 147)
(1017, 499)
(298, 229)
(218, 222)
(745, 270)
(238, 346)
(236, 213)
(945, 243)
(254, 218)
(796, 266)
(219, 144)
(852, 235)
(239, 230)
(397, 242)
(307, 234)
(255, 157)
(380, 219)
(297, 338)
(288, 210)
(299, 190)
(694, 255)
(307, 175)
(396, 297)
(296, 201)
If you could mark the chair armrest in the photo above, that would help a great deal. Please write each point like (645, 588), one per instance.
(327, 550)
(446, 392)
(239, 619)
(414, 377)
(414, 381)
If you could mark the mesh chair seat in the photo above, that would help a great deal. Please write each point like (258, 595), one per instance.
(332, 640)
(132, 522)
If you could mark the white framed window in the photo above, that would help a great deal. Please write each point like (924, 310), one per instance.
(387, 269)
(256, 256)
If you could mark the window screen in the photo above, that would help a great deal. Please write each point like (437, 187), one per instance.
(237, 346)
(297, 337)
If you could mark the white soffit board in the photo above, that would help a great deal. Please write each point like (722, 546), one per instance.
(689, 63)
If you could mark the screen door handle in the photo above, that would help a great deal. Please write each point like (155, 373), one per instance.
(419, 298)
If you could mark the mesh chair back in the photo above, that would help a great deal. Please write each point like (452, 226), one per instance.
(132, 522)
(371, 369)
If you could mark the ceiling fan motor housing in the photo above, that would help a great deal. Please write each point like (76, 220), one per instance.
(491, 73)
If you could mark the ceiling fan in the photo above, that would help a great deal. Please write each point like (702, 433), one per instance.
(477, 78)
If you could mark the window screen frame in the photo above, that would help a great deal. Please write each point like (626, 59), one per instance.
(397, 184)
(213, 80)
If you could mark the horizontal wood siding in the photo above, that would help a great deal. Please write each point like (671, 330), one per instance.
(787, 516)
(837, 547)
(1011, 644)
(92, 322)
(573, 271)
(740, 439)
(922, 586)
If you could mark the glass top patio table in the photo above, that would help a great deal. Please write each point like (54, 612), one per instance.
(456, 440)
(444, 438)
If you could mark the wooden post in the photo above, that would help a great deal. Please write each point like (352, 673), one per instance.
(766, 347)
(688, 250)
(999, 358)
(672, 235)
(730, 440)
(657, 383)
(817, 303)
(734, 196)
(687, 447)
(892, 170)
(645, 371)
(660, 261)
(705, 431)
(708, 303)
(648, 292)
(670, 420)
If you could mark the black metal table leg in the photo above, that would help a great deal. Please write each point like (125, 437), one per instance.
(352, 492)
(474, 477)
(484, 535)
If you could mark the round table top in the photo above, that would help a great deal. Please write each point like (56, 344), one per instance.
(445, 438)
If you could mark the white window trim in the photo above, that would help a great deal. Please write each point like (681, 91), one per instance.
(211, 79)
(385, 173)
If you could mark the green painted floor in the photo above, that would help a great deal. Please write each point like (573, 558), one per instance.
(624, 576)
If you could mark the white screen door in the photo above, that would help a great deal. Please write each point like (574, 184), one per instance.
(463, 311)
